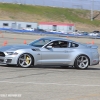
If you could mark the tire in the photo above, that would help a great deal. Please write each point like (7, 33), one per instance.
(25, 60)
(81, 62)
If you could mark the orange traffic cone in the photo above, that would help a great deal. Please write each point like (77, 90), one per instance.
(14, 38)
(4, 43)
(93, 42)
(25, 42)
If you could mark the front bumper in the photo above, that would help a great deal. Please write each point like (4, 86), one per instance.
(8, 60)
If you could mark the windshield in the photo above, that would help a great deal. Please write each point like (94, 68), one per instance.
(40, 42)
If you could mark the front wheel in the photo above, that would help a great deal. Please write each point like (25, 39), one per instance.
(25, 60)
(81, 62)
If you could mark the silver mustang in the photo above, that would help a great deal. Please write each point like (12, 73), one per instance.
(50, 51)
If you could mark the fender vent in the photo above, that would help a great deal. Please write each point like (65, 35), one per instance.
(36, 49)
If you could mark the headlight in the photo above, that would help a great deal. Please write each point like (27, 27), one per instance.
(12, 53)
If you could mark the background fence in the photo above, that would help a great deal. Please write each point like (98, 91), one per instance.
(37, 32)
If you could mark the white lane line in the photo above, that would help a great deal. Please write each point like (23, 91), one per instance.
(61, 84)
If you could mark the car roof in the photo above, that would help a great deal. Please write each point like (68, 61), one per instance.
(57, 38)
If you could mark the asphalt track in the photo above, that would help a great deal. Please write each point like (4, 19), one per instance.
(47, 82)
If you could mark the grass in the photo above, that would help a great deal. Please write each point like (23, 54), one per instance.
(53, 13)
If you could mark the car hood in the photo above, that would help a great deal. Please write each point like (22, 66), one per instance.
(15, 47)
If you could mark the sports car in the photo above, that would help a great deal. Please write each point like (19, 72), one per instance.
(50, 51)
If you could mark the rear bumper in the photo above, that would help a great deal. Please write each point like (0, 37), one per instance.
(95, 62)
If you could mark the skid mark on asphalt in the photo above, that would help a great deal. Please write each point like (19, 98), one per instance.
(86, 97)
(60, 84)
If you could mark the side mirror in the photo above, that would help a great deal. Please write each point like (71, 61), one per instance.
(49, 47)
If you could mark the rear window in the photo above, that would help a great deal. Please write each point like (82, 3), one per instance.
(74, 45)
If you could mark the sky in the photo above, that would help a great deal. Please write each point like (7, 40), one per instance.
(81, 4)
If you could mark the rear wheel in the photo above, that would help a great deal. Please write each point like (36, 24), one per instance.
(25, 60)
(81, 62)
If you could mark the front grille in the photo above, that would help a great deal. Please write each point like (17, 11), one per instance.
(2, 54)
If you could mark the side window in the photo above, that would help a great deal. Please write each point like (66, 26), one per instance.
(28, 26)
(70, 27)
(54, 44)
(64, 44)
(5, 24)
(74, 45)
(59, 44)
